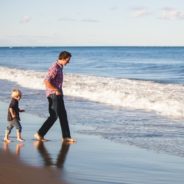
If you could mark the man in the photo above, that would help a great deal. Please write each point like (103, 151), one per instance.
(53, 82)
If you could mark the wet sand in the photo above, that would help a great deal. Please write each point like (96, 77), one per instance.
(92, 160)
(12, 170)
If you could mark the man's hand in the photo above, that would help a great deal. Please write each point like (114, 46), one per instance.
(58, 92)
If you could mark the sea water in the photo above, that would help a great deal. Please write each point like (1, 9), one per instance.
(131, 95)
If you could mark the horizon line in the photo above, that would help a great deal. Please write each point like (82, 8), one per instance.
(11, 46)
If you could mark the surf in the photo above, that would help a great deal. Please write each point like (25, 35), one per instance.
(164, 99)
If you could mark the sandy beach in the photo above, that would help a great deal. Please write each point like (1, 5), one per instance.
(91, 160)
(14, 171)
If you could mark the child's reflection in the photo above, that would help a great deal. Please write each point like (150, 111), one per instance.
(46, 156)
(18, 147)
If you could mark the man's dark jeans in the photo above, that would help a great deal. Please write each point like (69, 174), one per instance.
(56, 109)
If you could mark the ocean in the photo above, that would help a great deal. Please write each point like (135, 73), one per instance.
(130, 95)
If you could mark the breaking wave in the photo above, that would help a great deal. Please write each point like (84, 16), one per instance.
(164, 99)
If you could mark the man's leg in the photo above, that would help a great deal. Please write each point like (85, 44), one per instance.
(63, 118)
(53, 105)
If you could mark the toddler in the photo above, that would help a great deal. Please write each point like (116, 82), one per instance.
(13, 116)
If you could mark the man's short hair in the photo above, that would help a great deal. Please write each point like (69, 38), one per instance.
(64, 55)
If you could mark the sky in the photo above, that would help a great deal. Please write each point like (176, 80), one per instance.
(91, 22)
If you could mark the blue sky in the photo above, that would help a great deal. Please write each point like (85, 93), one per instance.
(91, 22)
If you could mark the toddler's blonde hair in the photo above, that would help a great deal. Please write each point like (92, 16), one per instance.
(16, 93)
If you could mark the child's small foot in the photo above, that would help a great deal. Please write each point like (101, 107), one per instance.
(7, 140)
(20, 139)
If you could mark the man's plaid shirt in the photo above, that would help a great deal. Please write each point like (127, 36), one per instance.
(55, 77)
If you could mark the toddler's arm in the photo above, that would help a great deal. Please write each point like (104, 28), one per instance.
(12, 112)
(21, 110)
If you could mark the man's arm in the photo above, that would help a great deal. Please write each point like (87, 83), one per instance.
(50, 86)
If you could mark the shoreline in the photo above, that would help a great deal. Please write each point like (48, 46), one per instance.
(91, 160)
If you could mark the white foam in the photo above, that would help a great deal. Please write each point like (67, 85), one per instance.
(25, 78)
(165, 99)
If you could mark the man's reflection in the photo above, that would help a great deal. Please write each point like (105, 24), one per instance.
(46, 156)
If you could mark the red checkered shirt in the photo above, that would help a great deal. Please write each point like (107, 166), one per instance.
(55, 77)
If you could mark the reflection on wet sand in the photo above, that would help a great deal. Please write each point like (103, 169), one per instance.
(18, 147)
(48, 161)
(13, 170)
(52, 164)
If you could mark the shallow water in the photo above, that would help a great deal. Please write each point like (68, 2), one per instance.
(92, 159)
(143, 129)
